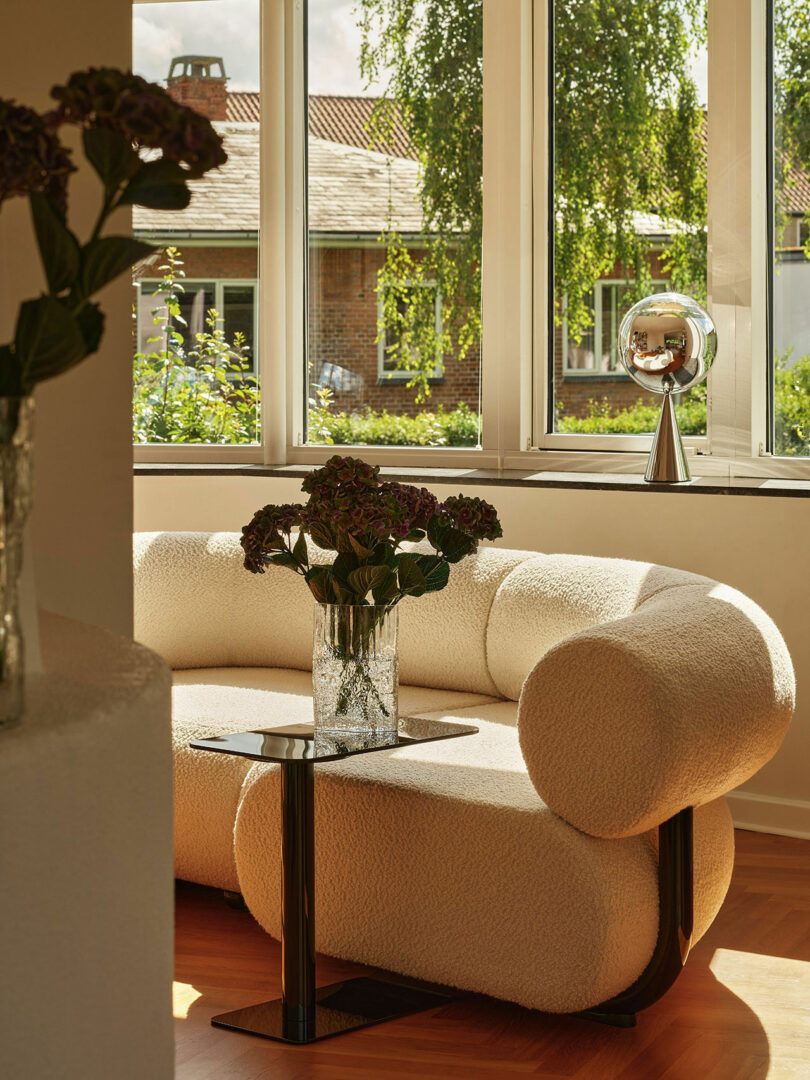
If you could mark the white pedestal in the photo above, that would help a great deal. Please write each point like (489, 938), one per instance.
(86, 865)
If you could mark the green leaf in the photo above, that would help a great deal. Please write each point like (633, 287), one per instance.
(363, 579)
(386, 592)
(437, 578)
(47, 341)
(10, 374)
(456, 545)
(107, 257)
(111, 155)
(321, 536)
(300, 550)
(360, 551)
(411, 579)
(319, 580)
(435, 531)
(384, 553)
(343, 565)
(58, 247)
(91, 323)
(158, 185)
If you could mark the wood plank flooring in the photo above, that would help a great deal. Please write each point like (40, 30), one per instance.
(740, 1011)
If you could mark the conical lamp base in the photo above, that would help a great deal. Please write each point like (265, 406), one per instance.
(667, 464)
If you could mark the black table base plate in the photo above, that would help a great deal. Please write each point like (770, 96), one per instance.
(343, 1006)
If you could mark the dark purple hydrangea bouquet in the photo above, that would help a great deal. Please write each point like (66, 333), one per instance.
(144, 147)
(365, 521)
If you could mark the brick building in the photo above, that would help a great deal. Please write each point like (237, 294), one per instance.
(355, 194)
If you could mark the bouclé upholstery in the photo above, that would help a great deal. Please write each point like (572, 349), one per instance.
(519, 862)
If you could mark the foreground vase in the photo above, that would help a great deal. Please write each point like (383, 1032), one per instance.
(16, 446)
(355, 672)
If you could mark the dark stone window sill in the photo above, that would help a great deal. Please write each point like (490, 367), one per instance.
(699, 485)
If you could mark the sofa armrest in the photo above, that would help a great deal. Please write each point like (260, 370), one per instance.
(623, 725)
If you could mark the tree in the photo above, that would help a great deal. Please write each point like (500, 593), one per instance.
(628, 139)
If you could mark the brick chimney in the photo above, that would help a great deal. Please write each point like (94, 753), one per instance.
(199, 82)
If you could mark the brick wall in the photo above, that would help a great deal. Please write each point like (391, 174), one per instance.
(343, 331)
(207, 96)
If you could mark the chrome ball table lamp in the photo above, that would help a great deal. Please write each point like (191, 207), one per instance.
(667, 343)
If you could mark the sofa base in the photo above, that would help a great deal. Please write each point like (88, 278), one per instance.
(340, 1007)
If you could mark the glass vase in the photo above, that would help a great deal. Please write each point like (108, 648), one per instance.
(355, 671)
(16, 445)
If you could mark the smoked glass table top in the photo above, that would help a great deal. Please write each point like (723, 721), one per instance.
(300, 742)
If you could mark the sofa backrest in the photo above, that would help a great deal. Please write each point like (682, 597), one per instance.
(501, 612)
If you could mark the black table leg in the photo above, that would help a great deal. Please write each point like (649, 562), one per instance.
(303, 1014)
(298, 900)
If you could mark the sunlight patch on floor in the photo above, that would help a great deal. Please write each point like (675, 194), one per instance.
(183, 997)
(777, 990)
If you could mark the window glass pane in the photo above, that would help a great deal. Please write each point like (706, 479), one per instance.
(239, 319)
(206, 52)
(791, 212)
(629, 121)
(394, 222)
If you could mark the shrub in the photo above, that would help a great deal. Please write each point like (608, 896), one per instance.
(641, 419)
(792, 407)
(369, 428)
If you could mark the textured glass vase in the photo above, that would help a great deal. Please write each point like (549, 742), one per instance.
(16, 445)
(355, 672)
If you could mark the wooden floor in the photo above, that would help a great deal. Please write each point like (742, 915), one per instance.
(740, 1011)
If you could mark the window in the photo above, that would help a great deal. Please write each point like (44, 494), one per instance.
(640, 181)
(396, 348)
(628, 190)
(195, 381)
(393, 225)
(790, 209)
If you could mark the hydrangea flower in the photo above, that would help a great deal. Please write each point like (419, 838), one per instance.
(269, 530)
(32, 160)
(145, 113)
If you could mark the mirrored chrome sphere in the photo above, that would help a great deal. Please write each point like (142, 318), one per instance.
(667, 342)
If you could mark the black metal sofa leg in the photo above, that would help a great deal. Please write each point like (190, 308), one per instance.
(675, 924)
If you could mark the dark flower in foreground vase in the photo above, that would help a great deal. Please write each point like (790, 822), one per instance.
(269, 530)
(143, 112)
(472, 516)
(32, 160)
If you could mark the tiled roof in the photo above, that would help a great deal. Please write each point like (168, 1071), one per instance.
(350, 191)
(337, 119)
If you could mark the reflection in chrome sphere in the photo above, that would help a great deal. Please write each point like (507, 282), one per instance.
(667, 342)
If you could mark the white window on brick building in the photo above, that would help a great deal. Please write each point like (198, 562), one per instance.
(395, 353)
(597, 353)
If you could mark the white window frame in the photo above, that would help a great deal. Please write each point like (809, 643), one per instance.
(515, 304)
(400, 375)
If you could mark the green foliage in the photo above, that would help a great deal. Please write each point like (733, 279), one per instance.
(207, 395)
(641, 419)
(627, 139)
(457, 428)
(791, 99)
(432, 57)
(792, 407)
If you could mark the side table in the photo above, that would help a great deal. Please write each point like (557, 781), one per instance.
(303, 1013)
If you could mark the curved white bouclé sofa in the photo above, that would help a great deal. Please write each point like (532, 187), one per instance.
(520, 862)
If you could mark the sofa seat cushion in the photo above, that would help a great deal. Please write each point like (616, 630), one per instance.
(214, 701)
(441, 862)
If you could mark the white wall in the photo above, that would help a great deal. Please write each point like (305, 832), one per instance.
(82, 515)
(756, 543)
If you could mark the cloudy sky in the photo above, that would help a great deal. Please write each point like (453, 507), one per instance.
(230, 29)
